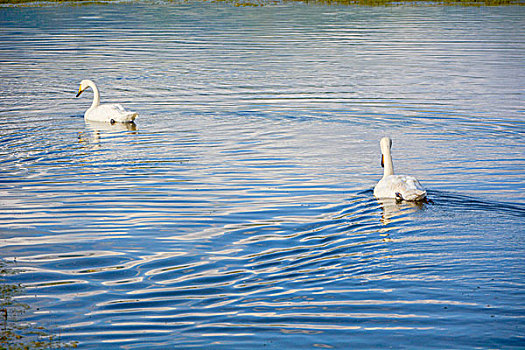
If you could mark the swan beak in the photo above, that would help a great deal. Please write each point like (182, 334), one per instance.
(79, 92)
(382, 161)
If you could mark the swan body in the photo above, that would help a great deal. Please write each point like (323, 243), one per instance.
(399, 187)
(109, 113)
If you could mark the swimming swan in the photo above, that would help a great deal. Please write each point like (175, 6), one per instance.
(109, 113)
(400, 187)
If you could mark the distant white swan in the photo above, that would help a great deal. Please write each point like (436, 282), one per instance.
(109, 113)
(399, 187)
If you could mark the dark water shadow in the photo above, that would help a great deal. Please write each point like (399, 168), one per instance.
(468, 203)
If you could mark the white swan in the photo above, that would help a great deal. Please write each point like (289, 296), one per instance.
(400, 187)
(109, 113)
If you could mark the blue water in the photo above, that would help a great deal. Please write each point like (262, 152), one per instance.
(238, 212)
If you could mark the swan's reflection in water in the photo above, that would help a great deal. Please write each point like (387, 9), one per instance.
(393, 209)
(97, 128)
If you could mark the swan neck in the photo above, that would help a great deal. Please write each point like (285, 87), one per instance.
(388, 164)
(96, 95)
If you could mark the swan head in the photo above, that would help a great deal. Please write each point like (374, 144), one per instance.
(385, 143)
(84, 84)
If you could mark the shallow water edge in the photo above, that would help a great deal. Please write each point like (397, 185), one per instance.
(257, 3)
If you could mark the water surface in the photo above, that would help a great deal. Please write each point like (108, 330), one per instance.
(238, 212)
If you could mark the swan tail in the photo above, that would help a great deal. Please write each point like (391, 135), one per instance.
(127, 117)
(415, 195)
(132, 115)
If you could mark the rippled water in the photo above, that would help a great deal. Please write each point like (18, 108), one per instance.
(238, 212)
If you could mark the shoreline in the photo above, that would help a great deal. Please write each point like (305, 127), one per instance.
(476, 3)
